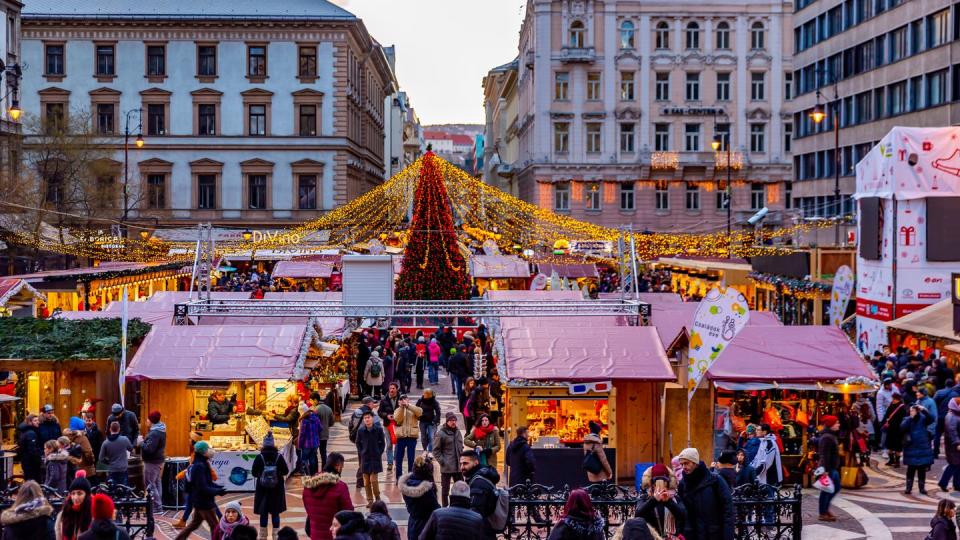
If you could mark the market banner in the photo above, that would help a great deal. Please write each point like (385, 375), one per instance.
(718, 319)
(840, 295)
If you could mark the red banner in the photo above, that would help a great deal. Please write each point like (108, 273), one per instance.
(881, 310)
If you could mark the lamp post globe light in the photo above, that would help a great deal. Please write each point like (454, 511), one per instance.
(818, 114)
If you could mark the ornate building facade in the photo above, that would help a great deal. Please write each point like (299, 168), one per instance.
(618, 102)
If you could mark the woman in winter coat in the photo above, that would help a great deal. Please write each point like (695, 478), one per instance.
(593, 443)
(891, 424)
(323, 496)
(55, 461)
(30, 517)
(579, 520)
(76, 515)
(349, 525)
(951, 445)
(942, 526)
(917, 451)
(381, 526)
(373, 374)
(433, 360)
(485, 437)
(419, 494)
(269, 501)
(661, 508)
(465, 392)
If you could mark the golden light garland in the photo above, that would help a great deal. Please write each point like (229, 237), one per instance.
(482, 212)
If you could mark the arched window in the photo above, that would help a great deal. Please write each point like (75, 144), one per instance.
(576, 34)
(626, 35)
(723, 35)
(663, 35)
(693, 35)
(756, 35)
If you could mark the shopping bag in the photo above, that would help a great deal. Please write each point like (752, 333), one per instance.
(393, 433)
(852, 477)
(823, 482)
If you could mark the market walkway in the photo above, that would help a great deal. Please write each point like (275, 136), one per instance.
(339, 442)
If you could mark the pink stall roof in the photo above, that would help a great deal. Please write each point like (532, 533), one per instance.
(535, 296)
(499, 266)
(219, 353)
(672, 320)
(558, 348)
(155, 314)
(584, 270)
(303, 269)
(789, 354)
(10, 287)
(653, 298)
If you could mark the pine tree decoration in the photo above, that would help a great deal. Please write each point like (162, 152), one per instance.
(433, 266)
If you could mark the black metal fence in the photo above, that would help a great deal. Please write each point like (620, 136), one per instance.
(134, 510)
(760, 512)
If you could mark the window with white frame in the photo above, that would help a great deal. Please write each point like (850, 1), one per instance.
(693, 196)
(592, 201)
(627, 137)
(788, 85)
(661, 137)
(722, 132)
(723, 198)
(757, 35)
(693, 86)
(627, 33)
(593, 86)
(693, 35)
(723, 86)
(577, 32)
(561, 137)
(627, 92)
(723, 35)
(758, 196)
(662, 40)
(661, 196)
(561, 196)
(758, 136)
(627, 196)
(561, 86)
(662, 86)
(757, 85)
(691, 142)
(594, 141)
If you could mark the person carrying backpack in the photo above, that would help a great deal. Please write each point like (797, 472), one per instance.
(595, 460)
(309, 438)
(269, 499)
(373, 374)
(485, 498)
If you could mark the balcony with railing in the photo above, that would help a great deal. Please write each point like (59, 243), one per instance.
(569, 55)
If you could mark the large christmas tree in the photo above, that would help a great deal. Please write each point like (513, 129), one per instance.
(433, 266)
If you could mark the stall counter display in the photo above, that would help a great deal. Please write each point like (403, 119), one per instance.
(565, 422)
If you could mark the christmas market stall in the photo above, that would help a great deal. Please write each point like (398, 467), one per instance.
(307, 274)
(93, 288)
(499, 272)
(581, 273)
(565, 375)
(18, 298)
(929, 330)
(695, 276)
(225, 382)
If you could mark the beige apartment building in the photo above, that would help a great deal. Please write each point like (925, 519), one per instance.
(618, 102)
(877, 64)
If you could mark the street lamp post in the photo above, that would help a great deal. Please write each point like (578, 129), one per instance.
(818, 114)
(717, 142)
(126, 156)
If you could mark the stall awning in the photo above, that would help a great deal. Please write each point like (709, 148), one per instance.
(303, 269)
(499, 266)
(10, 287)
(935, 320)
(584, 270)
(155, 314)
(584, 348)
(535, 296)
(103, 268)
(235, 353)
(789, 354)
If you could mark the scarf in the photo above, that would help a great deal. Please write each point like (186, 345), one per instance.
(480, 432)
(76, 519)
(227, 528)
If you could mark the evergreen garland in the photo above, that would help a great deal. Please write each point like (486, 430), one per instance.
(61, 339)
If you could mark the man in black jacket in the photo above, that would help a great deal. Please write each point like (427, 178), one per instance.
(388, 405)
(459, 370)
(483, 488)
(520, 459)
(129, 425)
(49, 429)
(29, 449)
(203, 492)
(707, 499)
(457, 521)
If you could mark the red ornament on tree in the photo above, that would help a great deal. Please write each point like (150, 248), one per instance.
(433, 266)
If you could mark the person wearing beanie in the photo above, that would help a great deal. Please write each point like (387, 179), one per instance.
(447, 447)
(81, 451)
(349, 525)
(706, 498)
(457, 521)
(76, 423)
(154, 453)
(232, 518)
(308, 439)
(269, 499)
(419, 495)
(129, 424)
(661, 508)
(286, 533)
(103, 527)
(76, 514)
(598, 467)
(202, 491)
(725, 466)
(828, 448)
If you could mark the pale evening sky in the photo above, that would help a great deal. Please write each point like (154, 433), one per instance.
(444, 49)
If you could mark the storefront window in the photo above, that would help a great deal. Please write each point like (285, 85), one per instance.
(565, 422)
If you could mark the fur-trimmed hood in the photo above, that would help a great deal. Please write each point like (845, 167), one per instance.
(26, 512)
(413, 487)
(59, 455)
(323, 479)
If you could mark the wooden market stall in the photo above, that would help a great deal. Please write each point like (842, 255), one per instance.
(693, 277)
(564, 373)
(19, 299)
(927, 330)
(499, 272)
(311, 274)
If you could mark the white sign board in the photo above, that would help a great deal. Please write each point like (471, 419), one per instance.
(367, 281)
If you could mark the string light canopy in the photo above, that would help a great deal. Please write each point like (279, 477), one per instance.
(480, 212)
